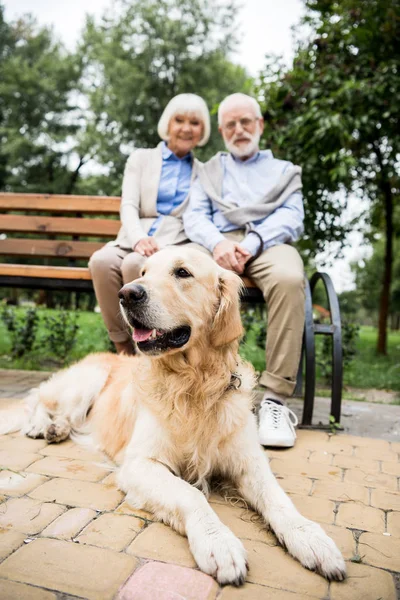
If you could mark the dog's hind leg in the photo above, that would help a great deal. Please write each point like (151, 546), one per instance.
(60, 405)
(248, 466)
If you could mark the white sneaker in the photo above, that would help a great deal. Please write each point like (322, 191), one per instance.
(276, 425)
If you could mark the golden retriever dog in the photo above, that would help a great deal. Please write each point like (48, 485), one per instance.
(178, 414)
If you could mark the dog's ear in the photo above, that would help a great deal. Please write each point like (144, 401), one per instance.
(227, 325)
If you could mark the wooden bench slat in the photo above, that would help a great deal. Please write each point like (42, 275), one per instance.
(11, 270)
(65, 225)
(60, 203)
(53, 248)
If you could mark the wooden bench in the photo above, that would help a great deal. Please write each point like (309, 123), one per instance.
(46, 241)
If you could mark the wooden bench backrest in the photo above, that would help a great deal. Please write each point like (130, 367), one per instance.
(47, 218)
(55, 223)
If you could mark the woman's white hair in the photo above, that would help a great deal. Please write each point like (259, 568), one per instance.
(238, 98)
(185, 104)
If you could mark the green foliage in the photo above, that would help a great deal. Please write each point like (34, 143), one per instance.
(335, 112)
(60, 331)
(36, 80)
(60, 110)
(22, 329)
(369, 272)
(141, 56)
(334, 426)
(350, 334)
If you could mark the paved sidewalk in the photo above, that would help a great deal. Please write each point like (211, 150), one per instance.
(67, 533)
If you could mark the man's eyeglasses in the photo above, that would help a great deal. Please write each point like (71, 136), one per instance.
(245, 123)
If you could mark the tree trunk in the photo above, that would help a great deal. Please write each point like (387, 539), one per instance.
(74, 176)
(381, 347)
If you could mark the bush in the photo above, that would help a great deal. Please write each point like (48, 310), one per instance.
(22, 329)
(60, 332)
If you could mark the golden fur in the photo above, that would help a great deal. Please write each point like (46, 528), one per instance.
(174, 419)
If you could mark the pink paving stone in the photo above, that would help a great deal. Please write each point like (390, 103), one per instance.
(159, 581)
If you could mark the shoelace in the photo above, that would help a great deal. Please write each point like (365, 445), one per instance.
(276, 412)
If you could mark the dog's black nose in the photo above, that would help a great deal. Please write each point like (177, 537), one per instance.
(132, 293)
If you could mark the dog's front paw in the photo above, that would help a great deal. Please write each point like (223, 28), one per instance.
(308, 542)
(218, 552)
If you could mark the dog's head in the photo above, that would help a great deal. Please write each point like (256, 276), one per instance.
(182, 298)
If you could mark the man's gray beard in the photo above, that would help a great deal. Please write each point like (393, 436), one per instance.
(249, 150)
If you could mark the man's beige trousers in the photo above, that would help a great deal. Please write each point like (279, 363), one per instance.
(279, 273)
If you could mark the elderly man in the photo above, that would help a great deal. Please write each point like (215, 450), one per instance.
(246, 209)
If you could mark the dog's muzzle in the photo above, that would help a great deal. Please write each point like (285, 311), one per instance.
(149, 338)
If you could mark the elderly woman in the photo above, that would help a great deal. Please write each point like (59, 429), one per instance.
(154, 195)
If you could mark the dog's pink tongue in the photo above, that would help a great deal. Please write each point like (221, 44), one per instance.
(141, 335)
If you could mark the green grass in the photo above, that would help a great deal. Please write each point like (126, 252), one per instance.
(367, 370)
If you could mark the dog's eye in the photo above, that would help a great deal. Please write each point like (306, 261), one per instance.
(182, 273)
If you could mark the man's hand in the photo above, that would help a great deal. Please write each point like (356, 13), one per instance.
(146, 246)
(231, 256)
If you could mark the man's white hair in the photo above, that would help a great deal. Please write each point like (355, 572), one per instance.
(238, 98)
(185, 104)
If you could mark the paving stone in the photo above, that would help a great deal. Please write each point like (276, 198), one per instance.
(160, 542)
(111, 531)
(359, 516)
(22, 443)
(343, 538)
(393, 524)
(295, 484)
(341, 492)
(69, 449)
(367, 453)
(10, 590)
(304, 469)
(18, 484)
(321, 457)
(84, 571)
(9, 541)
(17, 461)
(28, 515)
(110, 480)
(380, 551)
(69, 468)
(353, 462)
(311, 439)
(364, 583)
(391, 468)
(69, 524)
(385, 500)
(126, 509)
(374, 480)
(158, 581)
(245, 524)
(252, 591)
(375, 445)
(277, 569)
(317, 509)
(78, 493)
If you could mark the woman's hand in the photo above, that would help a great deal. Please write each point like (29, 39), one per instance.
(146, 246)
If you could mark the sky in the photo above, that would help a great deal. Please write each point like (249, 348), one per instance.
(265, 28)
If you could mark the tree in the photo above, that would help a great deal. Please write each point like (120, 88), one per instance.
(366, 276)
(37, 78)
(137, 59)
(335, 113)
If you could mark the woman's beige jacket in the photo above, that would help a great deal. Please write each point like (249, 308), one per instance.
(139, 201)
